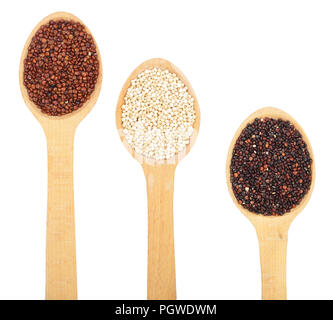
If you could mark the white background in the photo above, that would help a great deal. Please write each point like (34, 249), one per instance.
(239, 56)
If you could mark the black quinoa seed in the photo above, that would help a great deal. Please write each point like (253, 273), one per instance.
(270, 168)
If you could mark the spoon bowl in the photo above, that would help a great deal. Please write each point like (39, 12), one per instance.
(160, 183)
(75, 117)
(272, 231)
(163, 65)
(61, 282)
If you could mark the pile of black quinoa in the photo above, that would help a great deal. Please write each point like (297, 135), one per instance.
(270, 168)
(61, 67)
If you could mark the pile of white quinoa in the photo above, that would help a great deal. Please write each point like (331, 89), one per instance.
(158, 114)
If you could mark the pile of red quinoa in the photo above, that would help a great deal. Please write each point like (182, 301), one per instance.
(61, 68)
(270, 168)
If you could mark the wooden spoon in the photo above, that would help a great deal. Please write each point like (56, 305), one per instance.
(59, 131)
(160, 184)
(272, 231)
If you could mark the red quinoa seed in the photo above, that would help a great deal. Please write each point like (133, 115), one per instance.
(61, 68)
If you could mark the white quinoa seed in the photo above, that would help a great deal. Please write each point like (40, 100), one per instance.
(158, 114)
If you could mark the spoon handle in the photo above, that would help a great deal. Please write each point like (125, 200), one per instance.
(273, 253)
(60, 234)
(161, 254)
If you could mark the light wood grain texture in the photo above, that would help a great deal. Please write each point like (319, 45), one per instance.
(161, 255)
(61, 280)
(272, 231)
(161, 284)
